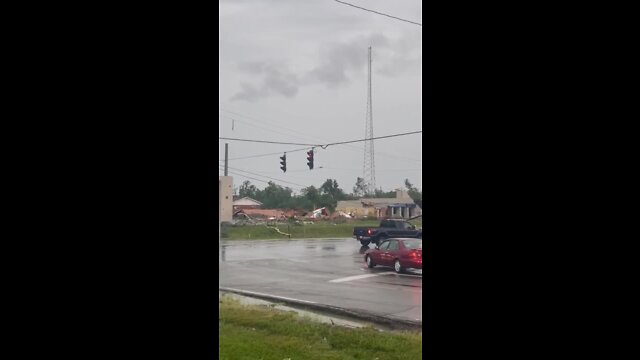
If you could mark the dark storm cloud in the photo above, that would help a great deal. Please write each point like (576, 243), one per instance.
(248, 93)
(337, 64)
(282, 83)
(276, 79)
(337, 61)
(253, 67)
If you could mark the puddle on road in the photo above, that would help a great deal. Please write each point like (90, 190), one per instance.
(314, 316)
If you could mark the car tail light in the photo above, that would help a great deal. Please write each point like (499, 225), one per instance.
(413, 254)
(368, 231)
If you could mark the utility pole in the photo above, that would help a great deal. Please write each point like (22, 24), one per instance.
(226, 159)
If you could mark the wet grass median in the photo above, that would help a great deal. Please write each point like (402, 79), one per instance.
(319, 229)
(262, 332)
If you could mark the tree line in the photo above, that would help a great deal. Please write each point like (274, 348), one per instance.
(275, 196)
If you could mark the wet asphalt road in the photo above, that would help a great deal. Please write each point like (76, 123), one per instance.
(326, 271)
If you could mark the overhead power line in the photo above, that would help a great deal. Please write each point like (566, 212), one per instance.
(379, 13)
(321, 145)
(268, 177)
(306, 148)
(377, 170)
(262, 121)
(262, 155)
(373, 138)
(253, 125)
(267, 142)
(303, 149)
(306, 136)
(252, 178)
(256, 179)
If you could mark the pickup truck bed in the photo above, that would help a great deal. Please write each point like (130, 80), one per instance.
(388, 228)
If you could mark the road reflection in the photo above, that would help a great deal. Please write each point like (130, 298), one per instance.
(307, 269)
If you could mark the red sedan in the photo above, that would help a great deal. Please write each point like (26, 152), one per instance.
(401, 254)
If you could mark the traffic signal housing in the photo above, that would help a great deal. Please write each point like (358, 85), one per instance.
(310, 159)
(283, 162)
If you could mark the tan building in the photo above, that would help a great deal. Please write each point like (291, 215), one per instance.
(402, 206)
(225, 197)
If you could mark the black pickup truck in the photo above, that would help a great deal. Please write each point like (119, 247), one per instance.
(388, 228)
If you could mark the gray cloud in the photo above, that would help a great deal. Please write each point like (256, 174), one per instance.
(338, 63)
(248, 93)
(253, 67)
(338, 60)
(276, 80)
(398, 63)
(402, 56)
(282, 83)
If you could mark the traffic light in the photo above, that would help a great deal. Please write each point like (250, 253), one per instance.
(310, 159)
(283, 162)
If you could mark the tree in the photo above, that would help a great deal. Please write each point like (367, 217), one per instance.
(248, 190)
(312, 196)
(413, 191)
(408, 184)
(331, 194)
(274, 196)
(328, 202)
(361, 188)
(331, 188)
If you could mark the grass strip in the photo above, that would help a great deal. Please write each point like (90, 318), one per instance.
(317, 230)
(263, 333)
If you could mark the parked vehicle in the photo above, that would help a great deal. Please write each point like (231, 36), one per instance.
(401, 254)
(388, 228)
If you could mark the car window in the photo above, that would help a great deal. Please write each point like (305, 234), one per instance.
(386, 224)
(406, 226)
(393, 245)
(384, 245)
(412, 244)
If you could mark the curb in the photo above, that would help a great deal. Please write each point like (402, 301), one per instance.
(391, 322)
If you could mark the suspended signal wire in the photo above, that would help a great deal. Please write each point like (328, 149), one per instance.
(256, 174)
(262, 155)
(256, 179)
(359, 149)
(324, 146)
(379, 13)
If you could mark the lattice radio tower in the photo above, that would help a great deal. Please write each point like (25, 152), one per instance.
(369, 167)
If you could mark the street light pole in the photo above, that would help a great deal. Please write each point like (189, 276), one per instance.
(226, 159)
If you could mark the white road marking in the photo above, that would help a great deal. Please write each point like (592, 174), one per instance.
(350, 278)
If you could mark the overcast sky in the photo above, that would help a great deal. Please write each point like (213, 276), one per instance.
(296, 71)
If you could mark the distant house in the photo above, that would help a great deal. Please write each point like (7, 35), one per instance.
(402, 206)
(246, 203)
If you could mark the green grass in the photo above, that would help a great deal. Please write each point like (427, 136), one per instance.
(320, 229)
(260, 332)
